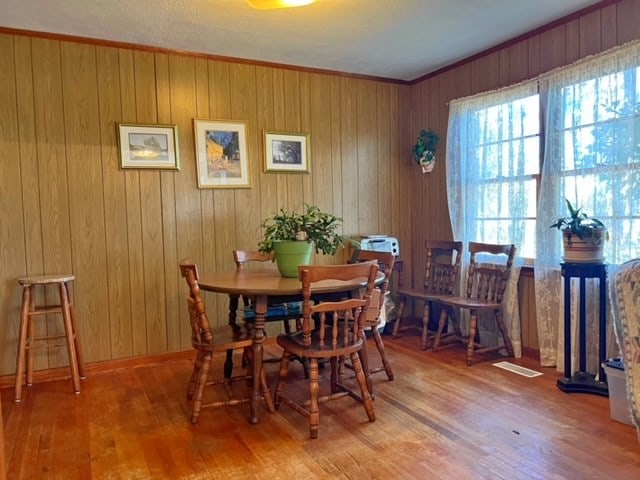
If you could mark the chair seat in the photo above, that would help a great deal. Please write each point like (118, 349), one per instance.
(423, 294)
(226, 337)
(293, 343)
(470, 303)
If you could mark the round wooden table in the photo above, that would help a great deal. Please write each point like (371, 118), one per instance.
(268, 286)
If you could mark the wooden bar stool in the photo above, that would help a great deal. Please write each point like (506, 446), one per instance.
(29, 341)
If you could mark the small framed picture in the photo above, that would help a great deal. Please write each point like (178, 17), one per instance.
(286, 152)
(148, 146)
(221, 153)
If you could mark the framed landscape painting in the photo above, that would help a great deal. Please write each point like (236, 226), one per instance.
(148, 146)
(221, 153)
(286, 152)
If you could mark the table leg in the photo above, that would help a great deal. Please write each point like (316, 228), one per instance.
(258, 355)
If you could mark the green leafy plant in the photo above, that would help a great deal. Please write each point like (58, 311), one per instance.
(311, 225)
(578, 223)
(424, 150)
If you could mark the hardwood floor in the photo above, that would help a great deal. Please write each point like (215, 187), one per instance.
(439, 419)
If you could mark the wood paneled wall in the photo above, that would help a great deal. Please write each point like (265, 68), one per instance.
(66, 206)
(611, 25)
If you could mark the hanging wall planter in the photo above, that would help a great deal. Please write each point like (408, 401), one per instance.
(424, 151)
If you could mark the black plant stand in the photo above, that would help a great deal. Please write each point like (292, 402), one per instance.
(582, 381)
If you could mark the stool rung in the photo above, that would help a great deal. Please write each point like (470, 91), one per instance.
(48, 337)
(46, 309)
(44, 345)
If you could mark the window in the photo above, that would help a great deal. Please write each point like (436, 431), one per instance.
(497, 191)
(493, 156)
(600, 162)
(592, 151)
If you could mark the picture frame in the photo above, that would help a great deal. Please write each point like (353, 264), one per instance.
(222, 157)
(144, 146)
(286, 152)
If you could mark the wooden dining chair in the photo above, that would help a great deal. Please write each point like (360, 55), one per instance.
(208, 341)
(486, 282)
(276, 312)
(325, 336)
(385, 261)
(441, 271)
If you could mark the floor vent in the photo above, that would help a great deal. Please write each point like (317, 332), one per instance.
(512, 367)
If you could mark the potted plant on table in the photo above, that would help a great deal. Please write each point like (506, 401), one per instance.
(293, 236)
(583, 236)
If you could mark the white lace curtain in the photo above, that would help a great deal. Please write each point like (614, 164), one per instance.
(480, 151)
(592, 158)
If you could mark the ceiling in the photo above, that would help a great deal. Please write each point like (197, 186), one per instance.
(391, 39)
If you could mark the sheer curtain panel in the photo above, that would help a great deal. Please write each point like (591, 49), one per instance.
(492, 163)
(591, 158)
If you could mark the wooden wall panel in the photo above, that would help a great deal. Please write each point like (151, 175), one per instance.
(335, 139)
(174, 284)
(305, 126)
(12, 212)
(366, 168)
(627, 17)
(85, 191)
(320, 149)
(590, 44)
(151, 212)
(190, 242)
(55, 228)
(136, 330)
(349, 150)
(384, 178)
(115, 205)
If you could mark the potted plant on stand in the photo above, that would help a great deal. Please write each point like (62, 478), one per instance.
(293, 237)
(583, 236)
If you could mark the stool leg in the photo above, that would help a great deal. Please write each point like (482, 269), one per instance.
(68, 328)
(22, 341)
(31, 335)
(76, 337)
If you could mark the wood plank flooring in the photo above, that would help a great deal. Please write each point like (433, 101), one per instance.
(439, 419)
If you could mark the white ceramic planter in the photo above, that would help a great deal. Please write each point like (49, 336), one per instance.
(584, 250)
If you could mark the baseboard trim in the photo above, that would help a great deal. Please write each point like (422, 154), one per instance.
(531, 353)
(60, 373)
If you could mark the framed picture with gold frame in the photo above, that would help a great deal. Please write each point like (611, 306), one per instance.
(286, 152)
(221, 153)
(148, 146)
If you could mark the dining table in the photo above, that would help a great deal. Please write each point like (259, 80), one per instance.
(268, 286)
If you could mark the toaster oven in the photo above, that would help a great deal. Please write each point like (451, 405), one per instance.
(380, 243)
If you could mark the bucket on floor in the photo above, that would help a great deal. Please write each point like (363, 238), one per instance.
(618, 403)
